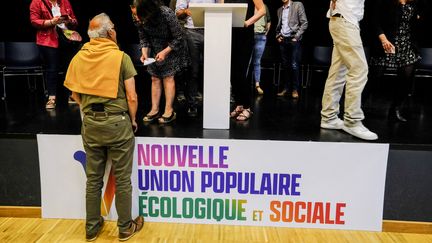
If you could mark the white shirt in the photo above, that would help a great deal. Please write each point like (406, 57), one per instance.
(56, 13)
(184, 4)
(351, 10)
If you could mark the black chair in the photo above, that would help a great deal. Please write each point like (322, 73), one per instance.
(320, 62)
(22, 59)
(2, 55)
(424, 69)
(270, 60)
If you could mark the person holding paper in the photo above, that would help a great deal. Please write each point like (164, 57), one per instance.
(160, 32)
(241, 53)
(395, 46)
(45, 16)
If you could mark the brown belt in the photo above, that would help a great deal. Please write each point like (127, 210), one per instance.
(103, 113)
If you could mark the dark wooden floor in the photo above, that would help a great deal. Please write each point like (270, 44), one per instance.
(275, 118)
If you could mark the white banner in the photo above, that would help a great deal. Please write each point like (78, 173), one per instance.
(235, 182)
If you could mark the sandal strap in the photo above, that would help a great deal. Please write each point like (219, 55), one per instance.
(152, 116)
(245, 116)
(164, 119)
(237, 111)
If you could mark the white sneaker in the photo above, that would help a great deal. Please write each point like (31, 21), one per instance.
(360, 131)
(335, 124)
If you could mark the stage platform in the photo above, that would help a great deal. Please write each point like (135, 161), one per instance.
(407, 197)
(274, 118)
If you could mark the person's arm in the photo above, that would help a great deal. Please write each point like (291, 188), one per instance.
(36, 18)
(163, 54)
(279, 36)
(144, 54)
(259, 5)
(377, 26)
(144, 43)
(182, 9)
(176, 32)
(132, 101)
(386, 44)
(268, 25)
(302, 20)
(268, 20)
(376, 17)
(72, 20)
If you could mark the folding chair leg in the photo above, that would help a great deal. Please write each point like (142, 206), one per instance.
(279, 76)
(304, 84)
(4, 86)
(308, 76)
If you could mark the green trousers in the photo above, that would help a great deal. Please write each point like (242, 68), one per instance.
(108, 138)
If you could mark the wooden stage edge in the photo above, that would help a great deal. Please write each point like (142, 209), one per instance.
(388, 225)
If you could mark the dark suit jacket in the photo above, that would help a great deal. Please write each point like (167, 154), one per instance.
(297, 20)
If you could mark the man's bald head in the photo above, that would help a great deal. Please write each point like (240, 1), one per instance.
(99, 26)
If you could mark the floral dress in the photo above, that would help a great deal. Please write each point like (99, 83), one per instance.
(405, 51)
(166, 31)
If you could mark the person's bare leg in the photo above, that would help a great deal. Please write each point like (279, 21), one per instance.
(156, 91)
(169, 87)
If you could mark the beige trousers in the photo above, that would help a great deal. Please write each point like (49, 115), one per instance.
(348, 69)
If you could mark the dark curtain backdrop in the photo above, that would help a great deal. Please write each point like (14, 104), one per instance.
(15, 25)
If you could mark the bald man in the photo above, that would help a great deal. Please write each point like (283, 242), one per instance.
(101, 78)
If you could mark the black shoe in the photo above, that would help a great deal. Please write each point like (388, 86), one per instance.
(181, 98)
(165, 120)
(93, 236)
(192, 111)
(151, 118)
(199, 96)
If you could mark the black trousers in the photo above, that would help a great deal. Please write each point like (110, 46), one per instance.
(50, 57)
(241, 54)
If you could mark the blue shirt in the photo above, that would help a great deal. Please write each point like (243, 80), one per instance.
(285, 30)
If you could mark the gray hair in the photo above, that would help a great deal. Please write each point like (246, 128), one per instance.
(105, 25)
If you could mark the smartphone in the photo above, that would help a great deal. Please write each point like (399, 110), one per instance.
(64, 17)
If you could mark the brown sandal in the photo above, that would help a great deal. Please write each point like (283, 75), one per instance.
(51, 104)
(244, 115)
(237, 111)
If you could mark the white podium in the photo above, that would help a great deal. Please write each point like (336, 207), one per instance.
(217, 19)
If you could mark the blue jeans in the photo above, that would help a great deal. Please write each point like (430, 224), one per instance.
(290, 54)
(260, 43)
